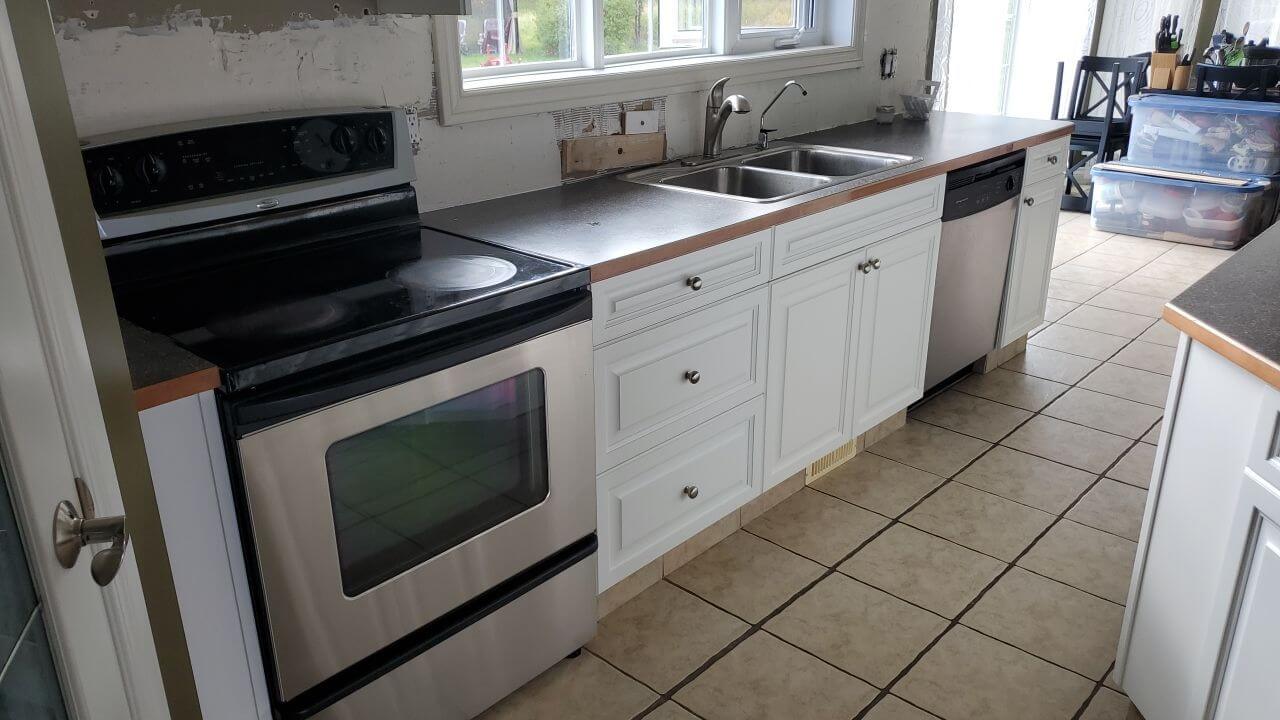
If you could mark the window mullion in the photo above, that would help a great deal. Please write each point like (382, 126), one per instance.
(730, 25)
(592, 32)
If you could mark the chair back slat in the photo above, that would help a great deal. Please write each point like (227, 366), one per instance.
(1108, 82)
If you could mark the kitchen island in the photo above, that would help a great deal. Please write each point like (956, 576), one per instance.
(1202, 629)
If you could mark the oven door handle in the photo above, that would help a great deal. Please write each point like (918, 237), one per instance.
(252, 411)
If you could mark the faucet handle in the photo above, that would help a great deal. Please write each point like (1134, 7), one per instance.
(717, 93)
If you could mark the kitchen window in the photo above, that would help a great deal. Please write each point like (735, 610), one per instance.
(514, 57)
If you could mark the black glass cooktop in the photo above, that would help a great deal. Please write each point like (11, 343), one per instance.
(264, 318)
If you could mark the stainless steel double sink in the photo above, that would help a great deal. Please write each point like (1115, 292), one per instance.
(785, 171)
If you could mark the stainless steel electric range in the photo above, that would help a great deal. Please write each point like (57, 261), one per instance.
(407, 413)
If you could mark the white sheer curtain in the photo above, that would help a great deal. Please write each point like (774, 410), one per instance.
(1130, 27)
(1001, 56)
(1263, 17)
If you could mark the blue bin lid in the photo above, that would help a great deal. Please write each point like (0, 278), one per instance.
(1190, 103)
(1120, 171)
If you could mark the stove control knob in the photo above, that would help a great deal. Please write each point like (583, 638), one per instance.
(376, 140)
(151, 169)
(109, 181)
(343, 140)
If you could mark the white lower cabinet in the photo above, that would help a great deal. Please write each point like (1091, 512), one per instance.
(893, 335)
(1030, 260)
(662, 497)
(701, 406)
(1202, 631)
(813, 328)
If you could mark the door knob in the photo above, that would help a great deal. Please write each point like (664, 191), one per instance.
(876, 263)
(1030, 201)
(691, 491)
(693, 376)
(72, 531)
(865, 267)
(1053, 159)
(694, 282)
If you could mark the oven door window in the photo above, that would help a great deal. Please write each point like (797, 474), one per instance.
(411, 489)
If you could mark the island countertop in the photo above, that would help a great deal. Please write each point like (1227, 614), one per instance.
(614, 226)
(1235, 308)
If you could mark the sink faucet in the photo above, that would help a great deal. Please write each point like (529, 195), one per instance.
(719, 108)
(763, 142)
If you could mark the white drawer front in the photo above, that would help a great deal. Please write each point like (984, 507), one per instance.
(645, 297)
(645, 393)
(1045, 161)
(644, 509)
(810, 240)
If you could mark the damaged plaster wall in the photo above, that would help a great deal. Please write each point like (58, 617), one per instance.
(147, 65)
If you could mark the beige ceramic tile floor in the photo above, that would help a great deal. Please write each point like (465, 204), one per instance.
(971, 566)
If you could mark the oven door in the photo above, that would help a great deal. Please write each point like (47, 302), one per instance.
(374, 516)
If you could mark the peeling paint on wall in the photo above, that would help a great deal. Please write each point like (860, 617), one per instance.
(121, 77)
(230, 15)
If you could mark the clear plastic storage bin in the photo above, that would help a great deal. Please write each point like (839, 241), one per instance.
(1198, 134)
(1211, 210)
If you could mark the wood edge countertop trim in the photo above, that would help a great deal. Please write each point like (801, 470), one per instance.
(675, 249)
(149, 396)
(1263, 368)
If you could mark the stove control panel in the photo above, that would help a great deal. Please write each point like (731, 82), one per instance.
(208, 162)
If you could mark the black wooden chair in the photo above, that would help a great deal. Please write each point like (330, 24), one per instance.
(1101, 84)
(1242, 82)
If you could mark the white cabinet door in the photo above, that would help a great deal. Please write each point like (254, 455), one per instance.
(813, 325)
(893, 336)
(1027, 286)
(1245, 680)
(1248, 682)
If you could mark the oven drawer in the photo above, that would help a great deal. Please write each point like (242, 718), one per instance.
(661, 498)
(657, 384)
(646, 297)
(485, 661)
(1045, 160)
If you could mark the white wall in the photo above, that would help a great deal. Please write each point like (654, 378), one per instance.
(119, 78)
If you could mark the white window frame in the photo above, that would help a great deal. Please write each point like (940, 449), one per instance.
(588, 79)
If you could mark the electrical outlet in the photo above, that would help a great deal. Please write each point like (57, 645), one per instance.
(415, 138)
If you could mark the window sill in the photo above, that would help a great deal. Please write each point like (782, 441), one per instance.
(512, 95)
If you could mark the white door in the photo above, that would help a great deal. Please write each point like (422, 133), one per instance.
(893, 342)
(69, 647)
(1031, 260)
(813, 325)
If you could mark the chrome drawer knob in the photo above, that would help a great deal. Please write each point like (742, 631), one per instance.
(694, 282)
(865, 267)
(691, 491)
(1030, 201)
(693, 376)
(1053, 159)
(876, 263)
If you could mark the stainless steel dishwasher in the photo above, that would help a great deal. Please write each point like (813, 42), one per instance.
(978, 216)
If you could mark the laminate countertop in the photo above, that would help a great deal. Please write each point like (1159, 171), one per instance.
(161, 371)
(1235, 309)
(614, 226)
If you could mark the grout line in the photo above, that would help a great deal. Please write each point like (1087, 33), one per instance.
(1097, 688)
